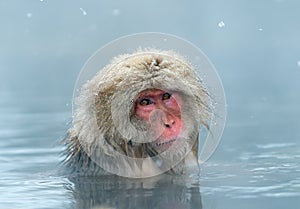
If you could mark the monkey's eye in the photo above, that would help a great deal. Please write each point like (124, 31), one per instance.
(166, 96)
(145, 102)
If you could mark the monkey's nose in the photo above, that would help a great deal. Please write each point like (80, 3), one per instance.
(169, 123)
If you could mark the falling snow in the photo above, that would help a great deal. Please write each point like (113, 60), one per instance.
(116, 12)
(29, 15)
(298, 63)
(221, 24)
(83, 11)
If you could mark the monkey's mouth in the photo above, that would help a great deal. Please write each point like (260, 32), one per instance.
(163, 143)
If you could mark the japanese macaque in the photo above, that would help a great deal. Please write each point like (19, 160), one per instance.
(139, 116)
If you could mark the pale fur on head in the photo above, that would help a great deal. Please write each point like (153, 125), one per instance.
(93, 127)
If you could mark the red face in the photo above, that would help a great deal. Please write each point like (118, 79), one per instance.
(169, 121)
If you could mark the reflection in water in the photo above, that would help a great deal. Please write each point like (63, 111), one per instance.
(160, 192)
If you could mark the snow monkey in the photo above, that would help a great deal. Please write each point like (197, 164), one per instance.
(140, 115)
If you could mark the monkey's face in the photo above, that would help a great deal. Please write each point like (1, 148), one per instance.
(162, 110)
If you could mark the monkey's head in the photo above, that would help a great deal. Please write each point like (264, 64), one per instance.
(142, 113)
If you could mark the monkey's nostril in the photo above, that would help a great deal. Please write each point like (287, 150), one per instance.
(169, 124)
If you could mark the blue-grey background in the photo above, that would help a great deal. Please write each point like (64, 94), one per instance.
(254, 45)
